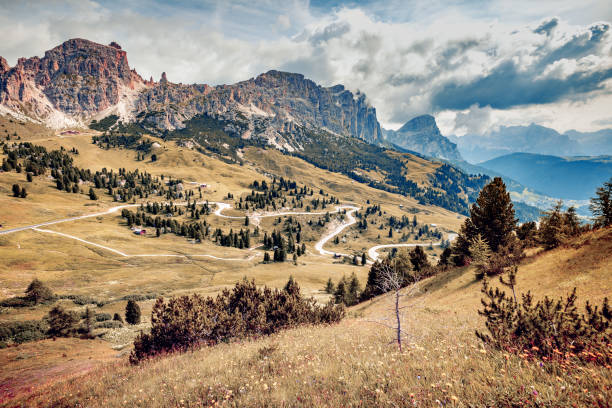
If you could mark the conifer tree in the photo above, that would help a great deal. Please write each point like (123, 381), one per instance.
(552, 227)
(601, 205)
(61, 323)
(132, 312)
(418, 259)
(38, 292)
(493, 214)
(461, 245)
(480, 253)
(329, 286)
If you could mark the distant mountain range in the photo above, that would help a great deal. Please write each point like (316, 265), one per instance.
(533, 139)
(573, 178)
(421, 134)
(81, 83)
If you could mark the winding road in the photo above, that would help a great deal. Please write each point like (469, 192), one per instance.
(221, 207)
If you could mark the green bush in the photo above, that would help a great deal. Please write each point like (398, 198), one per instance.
(16, 302)
(191, 321)
(28, 335)
(109, 324)
(80, 300)
(102, 317)
(22, 331)
(552, 330)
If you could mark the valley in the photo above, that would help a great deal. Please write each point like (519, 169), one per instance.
(268, 243)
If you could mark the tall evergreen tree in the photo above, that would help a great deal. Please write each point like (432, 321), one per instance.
(601, 205)
(418, 259)
(493, 214)
(461, 245)
(132, 312)
(38, 292)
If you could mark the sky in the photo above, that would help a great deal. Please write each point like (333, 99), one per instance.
(474, 65)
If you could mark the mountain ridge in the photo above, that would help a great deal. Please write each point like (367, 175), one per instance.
(80, 80)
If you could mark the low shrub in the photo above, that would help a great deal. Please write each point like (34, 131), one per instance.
(102, 317)
(140, 298)
(187, 322)
(552, 330)
(23, 331)
(109, 324)
(17, 302)
(80, 300)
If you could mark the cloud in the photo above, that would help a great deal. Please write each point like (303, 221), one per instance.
(507, 86)
(455, 59)
(547, 26)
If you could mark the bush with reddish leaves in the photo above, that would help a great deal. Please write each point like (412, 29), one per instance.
(188, 322)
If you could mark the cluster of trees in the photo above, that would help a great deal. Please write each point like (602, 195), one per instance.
(164, 225)
(19, 191)
(347, 291)
(123, 185)
(491, 239)
(188, 322)
(276, 194)
(240, 239)
(59, 322)
(283, 245)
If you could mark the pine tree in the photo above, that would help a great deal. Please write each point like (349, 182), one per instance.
(418, 259)
(16, 190)
(38, 292)
(461, 245)
(552, 227)
(61, 323)
(89, 320)
(23, 193)
(341, 291)
(601, 205)
(445, 257)
(117, 317)
(266, 257)
(364, 260)
(132, 312)
(493, 214)
(353, 291)
(92, 194)
(480, 252)
(329, 286)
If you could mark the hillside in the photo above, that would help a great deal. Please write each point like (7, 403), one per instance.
(352, 363)
(564, 177)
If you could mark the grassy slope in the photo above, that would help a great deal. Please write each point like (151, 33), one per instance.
(353, 364)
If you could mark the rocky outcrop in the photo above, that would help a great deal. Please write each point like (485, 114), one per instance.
(271, 104)
(78, 78)
(81, 79)
(422, 135)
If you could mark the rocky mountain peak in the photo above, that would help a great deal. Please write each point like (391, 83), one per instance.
(4, 66)
(420, 123)
(80, 79)
(422, 135)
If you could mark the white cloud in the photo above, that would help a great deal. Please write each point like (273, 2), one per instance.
(400, 56)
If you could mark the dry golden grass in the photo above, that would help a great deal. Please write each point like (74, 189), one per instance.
(354, 363)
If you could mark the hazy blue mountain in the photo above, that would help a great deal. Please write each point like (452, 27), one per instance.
(421, 135)
(533, 139)
(564, 177)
